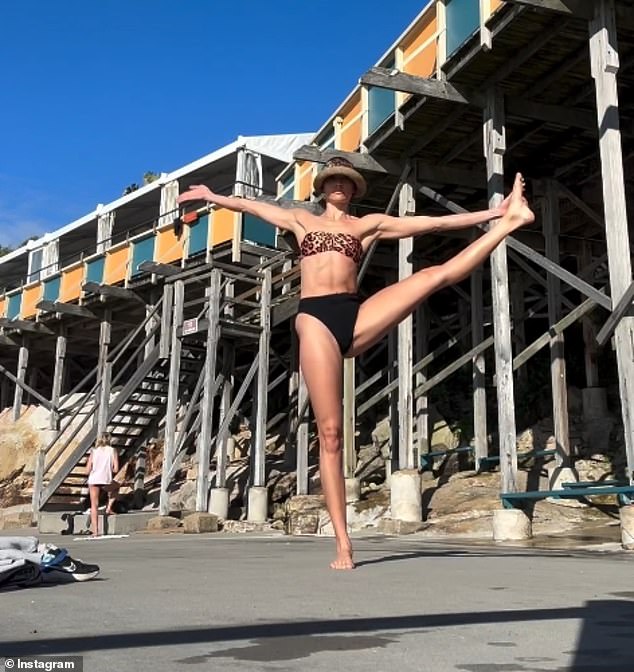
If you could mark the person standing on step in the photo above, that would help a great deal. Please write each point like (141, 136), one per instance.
(103, 463)
(332, 322)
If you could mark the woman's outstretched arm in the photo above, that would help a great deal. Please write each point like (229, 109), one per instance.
(284, 218)
(385, 227)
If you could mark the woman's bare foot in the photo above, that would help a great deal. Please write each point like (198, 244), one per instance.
(344, 557)
(518, 213)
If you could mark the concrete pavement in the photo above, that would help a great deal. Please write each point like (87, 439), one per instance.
(248, 602)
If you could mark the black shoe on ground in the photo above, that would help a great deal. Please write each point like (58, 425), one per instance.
(58, 560)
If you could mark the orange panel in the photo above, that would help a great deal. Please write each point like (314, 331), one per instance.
(419, 34)
(169, 246)
(351, 137)
(30, 298)
(3, 306)
(222, 226)
(116, 266)
(305, 186)
(352, 109)
(495, 4)
(424, 63)
(70, 285)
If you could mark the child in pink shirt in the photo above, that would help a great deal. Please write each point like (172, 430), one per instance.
(103, 463)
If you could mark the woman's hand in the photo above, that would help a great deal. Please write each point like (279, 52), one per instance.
(197, 192)
(504, 206)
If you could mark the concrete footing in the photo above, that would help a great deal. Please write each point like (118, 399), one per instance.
(511, 525)
(405, 495)
(627, 527)
(219, 502)
(353, 490)
(257, 508)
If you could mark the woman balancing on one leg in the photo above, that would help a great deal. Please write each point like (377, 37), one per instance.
(332, 322)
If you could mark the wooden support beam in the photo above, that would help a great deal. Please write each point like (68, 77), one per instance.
(58, 378)
(539, 259)
(222, 440)
(203, 449)
(109, 290)
(421, 344)
(259, 445)
(25, 325)
(169, 449)
(406, 453)
(26, 388)
(580, 9)
(558, 378)
(478, 368)
(425, 171)
(591, 347)
(494, 148)
(8, 342)
(164, 270)
(302, 436)
(66, 309)
(442, 90)
(395, 80)
(349, 418)
(23, 361)
(592, 215)
(623, 308)
(604, 59)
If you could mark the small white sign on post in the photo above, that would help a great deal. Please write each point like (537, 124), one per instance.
(190, 326)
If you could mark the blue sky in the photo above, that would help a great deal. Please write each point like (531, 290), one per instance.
(97, 92)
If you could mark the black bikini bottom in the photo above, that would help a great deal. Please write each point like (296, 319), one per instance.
(338, 312)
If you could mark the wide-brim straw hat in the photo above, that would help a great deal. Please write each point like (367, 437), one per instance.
(340, 166)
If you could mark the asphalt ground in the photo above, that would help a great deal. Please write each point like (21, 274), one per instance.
(264, 602)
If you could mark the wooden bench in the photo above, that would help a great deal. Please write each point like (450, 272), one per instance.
(624, 494)
(427, 459)
(486, 463)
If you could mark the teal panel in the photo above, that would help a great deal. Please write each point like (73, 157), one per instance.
(257, 230)
(199, 235)
(463, 19)
(287, 184)
(142, 250)
(51, 289)
(381, 103)
(14, 305)
(94, 270)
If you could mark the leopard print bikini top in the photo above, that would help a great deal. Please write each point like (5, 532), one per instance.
(316, 242)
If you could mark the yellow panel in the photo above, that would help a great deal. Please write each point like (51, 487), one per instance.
(70, 285)
(169, 246)
(305, 186)
(222, 226)
(419, 34)
(116, 266)
(30, 298)
(3, 306)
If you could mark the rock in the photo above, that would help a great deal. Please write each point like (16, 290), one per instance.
(183, 499)
(399, 527)
(200, 523)
(304, 514)
(163, 523)
(15, 519)
(244, 526)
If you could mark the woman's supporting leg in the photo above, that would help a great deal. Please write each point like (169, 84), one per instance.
(321, 363)
(94, 508)
(385, 309)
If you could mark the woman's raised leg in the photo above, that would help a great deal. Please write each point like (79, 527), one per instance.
(321, 364)
(385, 309)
